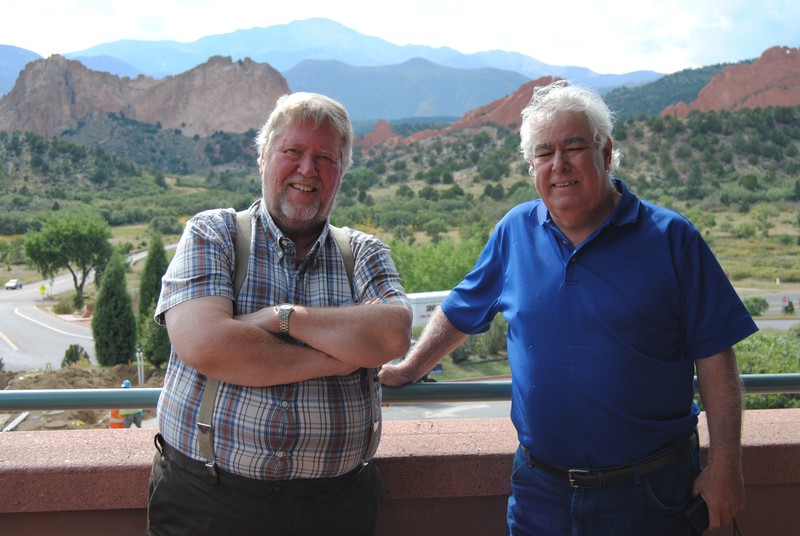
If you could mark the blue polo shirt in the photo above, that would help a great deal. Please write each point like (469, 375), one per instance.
(602, 337)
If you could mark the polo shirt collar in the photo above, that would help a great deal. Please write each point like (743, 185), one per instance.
(627, 209)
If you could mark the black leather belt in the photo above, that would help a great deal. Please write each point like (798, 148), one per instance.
(588, 478)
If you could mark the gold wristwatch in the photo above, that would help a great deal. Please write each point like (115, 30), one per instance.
(284, 310)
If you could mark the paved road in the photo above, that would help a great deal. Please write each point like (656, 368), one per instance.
(32, 338)
(777, 323)
(777, 299)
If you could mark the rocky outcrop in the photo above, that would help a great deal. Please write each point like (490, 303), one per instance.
(380, 134)
(53, 95)
(504, 112)
(771, 80)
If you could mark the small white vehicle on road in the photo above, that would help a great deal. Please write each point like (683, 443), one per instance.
(13, 284)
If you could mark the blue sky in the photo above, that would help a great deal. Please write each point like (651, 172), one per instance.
(611, 36)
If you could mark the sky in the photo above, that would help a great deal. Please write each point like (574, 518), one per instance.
(608, 37)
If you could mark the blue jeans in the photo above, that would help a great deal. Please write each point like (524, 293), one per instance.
(542, 504)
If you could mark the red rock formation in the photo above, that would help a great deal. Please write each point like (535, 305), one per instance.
(504, 112)
(54, 94)
(771, 80)
(381, 134)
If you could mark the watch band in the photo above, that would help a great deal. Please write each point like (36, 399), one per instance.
(284, 310)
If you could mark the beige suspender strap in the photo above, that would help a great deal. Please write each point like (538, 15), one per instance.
(205, 437)
(343, 242)
(243, 233)
(205, 429)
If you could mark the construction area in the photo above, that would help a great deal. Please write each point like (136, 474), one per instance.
(73, 377)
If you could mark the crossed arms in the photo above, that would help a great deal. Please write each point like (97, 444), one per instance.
(245, 349)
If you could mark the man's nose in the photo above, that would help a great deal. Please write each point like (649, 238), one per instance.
(560, 160)
(307, 166)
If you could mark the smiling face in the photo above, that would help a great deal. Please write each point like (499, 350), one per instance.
(301, 174)
(571, 173)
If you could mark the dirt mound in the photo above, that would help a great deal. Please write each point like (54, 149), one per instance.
(75, 377)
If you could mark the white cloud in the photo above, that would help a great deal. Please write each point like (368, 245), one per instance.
(608, 37)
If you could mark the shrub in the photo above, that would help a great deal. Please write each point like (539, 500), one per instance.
(65, 305)
(165, 225)
(794, 331)
(756, 305)
(767, 352)
(74, 354)
(483, 345)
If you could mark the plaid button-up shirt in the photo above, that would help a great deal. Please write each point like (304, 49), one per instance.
(311, 429)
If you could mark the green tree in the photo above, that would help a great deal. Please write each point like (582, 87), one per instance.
(165, 225)
(74, 354)
(763, 213)
(154, 268)
(437, 265)
(113, 320)
(750, 182)
(76, 241)
(153, 339)
(702, 219)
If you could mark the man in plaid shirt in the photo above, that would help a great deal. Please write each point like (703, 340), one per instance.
(297, 404)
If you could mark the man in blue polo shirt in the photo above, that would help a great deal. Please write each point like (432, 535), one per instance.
(611, 303)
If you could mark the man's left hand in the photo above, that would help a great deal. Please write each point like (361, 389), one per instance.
(723, 490)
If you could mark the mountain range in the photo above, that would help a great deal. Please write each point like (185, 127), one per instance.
(76, 99)
(206, 117)
(285, 46)
(375, 79)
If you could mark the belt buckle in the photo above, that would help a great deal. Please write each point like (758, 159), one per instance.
(574, 474)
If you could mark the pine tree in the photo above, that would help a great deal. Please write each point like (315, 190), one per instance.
(113, 320)
(154, 268)
(153, 339)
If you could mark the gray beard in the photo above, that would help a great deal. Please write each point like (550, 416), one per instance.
(302, 213)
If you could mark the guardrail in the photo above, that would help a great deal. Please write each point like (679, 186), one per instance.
(55, 399)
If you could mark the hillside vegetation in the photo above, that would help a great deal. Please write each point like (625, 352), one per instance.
(735, 174)
(650, 99)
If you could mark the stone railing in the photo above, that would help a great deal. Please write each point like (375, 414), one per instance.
(441, 477)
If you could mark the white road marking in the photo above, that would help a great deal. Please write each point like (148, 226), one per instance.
(16, 311)
(9, 342)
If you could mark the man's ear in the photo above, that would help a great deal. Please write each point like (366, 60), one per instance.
(607, 151)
